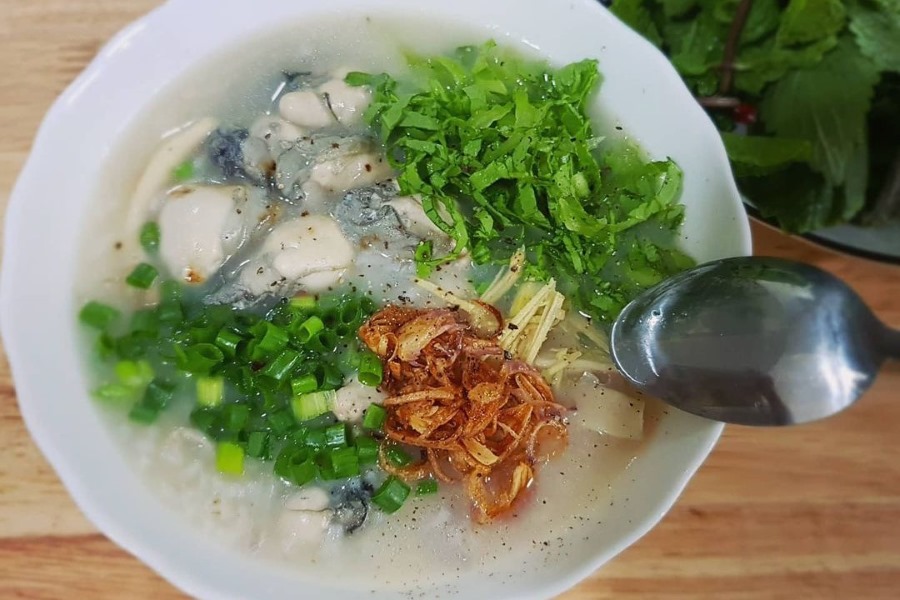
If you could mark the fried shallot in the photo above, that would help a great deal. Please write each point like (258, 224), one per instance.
(475, 414)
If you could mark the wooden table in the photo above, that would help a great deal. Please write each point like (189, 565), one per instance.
(812, 512)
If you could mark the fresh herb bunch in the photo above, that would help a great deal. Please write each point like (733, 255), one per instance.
(805, 92)
(502, 152)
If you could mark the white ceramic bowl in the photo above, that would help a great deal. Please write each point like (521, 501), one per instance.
(641, 92)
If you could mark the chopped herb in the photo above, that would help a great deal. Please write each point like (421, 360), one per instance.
(142, 276)
(513, 137)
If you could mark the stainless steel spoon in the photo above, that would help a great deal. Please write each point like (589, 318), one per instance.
(754, 341)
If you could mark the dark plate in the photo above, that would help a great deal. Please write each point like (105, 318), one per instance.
(881, 243)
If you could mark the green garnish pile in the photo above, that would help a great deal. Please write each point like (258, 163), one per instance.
(818, 87)
(502, 152)
(263, 384)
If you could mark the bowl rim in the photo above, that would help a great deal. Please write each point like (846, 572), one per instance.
(66, 467)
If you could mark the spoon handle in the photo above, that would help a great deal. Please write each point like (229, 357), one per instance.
(891, 343)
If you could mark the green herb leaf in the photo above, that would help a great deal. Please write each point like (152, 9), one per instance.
(826, 105)
(636, 15)
(763, 19)
(677, 8)
(757, 66)
(698, 45)
(876, 27)
(806, 21)
(758, 155)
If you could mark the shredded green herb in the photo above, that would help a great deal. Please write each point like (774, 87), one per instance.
(502, 152)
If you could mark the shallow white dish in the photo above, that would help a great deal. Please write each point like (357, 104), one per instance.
(640, 90)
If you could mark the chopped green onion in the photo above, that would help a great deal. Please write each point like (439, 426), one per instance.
(344, 463)
(366, 449)
(135, 374)
(271, 340)
(374, 417)
(426, 487)
(308, 329)
(235, 417)
(204, 333)
(282, 365)
(146, 321)
(330, 317)
(315, 438)
(304, 384)
(227, 341)
(326, 470)
(368, 305)
(170, 312)
(310, 406)
(279, 383)
(143, 414)
(157, 396)
(304, 472)
(370, 370)
(391, 495)
(295, 464)
(258, 444)
(98, 315)
(325, 341)
(299, 435)
(210, 390)
(204, 419)
(230, 458)
(184, 171)
(336, 435)
(398, 456)
(114, 392)
(281, 422)
(303, 302)
(142, 276)
(105, 346)
(200, 358)
(350, 312)
(133, 346)
(330, 376)
(158, 393)
(149, 237)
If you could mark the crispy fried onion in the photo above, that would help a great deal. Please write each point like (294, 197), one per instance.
(473, 414)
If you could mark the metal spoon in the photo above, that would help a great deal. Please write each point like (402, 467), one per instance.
(754, 341)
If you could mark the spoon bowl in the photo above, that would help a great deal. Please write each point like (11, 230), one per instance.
(752, 341)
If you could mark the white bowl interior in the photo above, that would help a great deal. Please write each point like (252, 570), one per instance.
(143, 65)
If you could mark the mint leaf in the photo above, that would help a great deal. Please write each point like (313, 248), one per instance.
(806, 21)
(636, 14)
(758, 66)
(763, 19)
(876, 26)
(677, 8)
(698, 45)
(758, 155)
(827, 105)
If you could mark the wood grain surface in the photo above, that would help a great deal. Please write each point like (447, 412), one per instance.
(811, 512)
